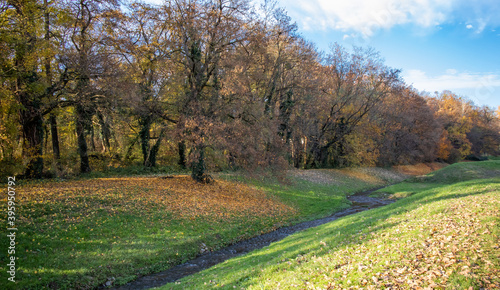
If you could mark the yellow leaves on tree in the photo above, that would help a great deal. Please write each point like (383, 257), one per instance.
(444, 146)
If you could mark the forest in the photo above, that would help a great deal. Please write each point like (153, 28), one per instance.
(209, 85)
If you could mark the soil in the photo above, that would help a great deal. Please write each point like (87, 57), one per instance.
(360, 202)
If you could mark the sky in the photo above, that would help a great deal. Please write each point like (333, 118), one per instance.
(438, 44)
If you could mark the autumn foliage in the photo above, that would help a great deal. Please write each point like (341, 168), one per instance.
(209, 85)
(78, 233)
(179, 195)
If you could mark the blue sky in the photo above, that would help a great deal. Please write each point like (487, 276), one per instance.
(438, 44)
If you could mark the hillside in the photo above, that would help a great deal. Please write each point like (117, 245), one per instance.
(83, 233)
(443, 235)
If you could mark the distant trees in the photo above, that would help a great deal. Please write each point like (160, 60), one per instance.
(408, 129)
(208, 84)
(484, 135)
(354, 84)
(468, 129)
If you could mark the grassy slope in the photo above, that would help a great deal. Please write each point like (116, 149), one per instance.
(452, 174)
(444, 234)
(319, 193)
(82, 233)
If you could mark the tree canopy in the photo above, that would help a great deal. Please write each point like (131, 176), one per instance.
(209, 85)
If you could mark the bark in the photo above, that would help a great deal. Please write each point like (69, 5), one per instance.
(182, 154)
(32, 126)
(81, 118)
(55, 138)
(198, 167)
(92, 139)
(153, 153)
(105, 132)
(144, 135)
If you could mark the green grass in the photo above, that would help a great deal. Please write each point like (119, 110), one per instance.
(444, 234)
(451, 174)
(81, 233)
(315, 197)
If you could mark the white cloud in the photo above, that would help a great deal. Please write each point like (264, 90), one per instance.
(481, 25)
(366, 16)
(479, 13)
(479, 87)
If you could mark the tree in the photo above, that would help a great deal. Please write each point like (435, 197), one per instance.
(88, 59)
(145, 43)
(205, 32)
(269, 75)
(409, 132)
(354, 84)
(26, 70)
(484, 135)
(454, 113)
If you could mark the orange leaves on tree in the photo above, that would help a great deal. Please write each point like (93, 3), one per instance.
(444, 146)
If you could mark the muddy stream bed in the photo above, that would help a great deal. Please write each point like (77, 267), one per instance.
(360, 202)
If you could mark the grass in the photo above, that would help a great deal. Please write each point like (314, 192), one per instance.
(452, 174)
(444, 235)
(319, 193)
(81, 233)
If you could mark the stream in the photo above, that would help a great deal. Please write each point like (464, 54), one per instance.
(360, 202)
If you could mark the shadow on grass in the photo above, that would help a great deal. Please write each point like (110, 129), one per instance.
(347, 231)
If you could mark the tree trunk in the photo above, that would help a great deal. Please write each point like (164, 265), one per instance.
(232, 161)
(130, 148)
(151, 161)
(105, 131)
(198, 167)
(144, 134)
(92, 138)
(55, 139)
(313, 156)
(182, 154)
(32, 126)
(82, 142)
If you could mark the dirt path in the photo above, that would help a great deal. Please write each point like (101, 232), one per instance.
(360, 202)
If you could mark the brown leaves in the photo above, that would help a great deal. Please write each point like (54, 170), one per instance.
(454, 246)
(431, 247)
(180, 195)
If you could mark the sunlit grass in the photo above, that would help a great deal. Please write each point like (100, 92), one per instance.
(444, 235)
(82, 233)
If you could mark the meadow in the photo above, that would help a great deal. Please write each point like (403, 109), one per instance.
(441, 233)
(86, 232)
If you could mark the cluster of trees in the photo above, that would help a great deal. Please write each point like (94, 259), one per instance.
(208, 83)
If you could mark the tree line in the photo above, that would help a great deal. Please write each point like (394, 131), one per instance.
(209, 84)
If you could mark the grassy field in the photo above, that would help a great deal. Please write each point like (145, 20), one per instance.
(86, 232)
(443, 235)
